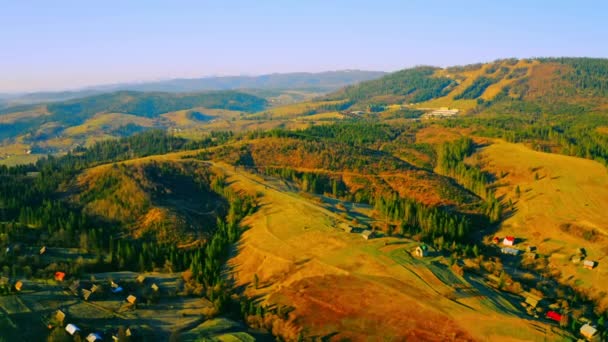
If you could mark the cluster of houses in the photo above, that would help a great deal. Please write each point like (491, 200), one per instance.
(580, 255)
(59, 318)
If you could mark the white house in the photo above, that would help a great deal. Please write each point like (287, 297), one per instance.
(508, 241)
(71, 329)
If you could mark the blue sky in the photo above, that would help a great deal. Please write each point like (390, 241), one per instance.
(53, 45)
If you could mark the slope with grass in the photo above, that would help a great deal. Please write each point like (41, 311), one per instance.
(342, 286)
(561, 206)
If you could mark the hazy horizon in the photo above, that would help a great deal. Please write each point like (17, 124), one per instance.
(69, 45)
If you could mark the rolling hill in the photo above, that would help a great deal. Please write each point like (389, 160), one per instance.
(311, 82)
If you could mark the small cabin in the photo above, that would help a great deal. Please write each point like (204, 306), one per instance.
(18, 285)
(42, 250)
(95, 288)
(421, 251)
(588, 331)
(155, 287)
(131, 299)
(141, 279)
(59, 276)
(72, 329)
(589, 264)
(367, 234)
(508, 241)
(532, 300)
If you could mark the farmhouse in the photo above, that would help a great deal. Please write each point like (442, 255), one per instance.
(367, 234)
(92, 337)
(509, 251)
(588, 331)
(554, 316)
(59, 276)
(508, 241)
(71, 329)
(421, 251)
(589, 264)
(132, 299)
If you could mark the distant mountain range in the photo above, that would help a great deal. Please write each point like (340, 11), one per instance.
(318, 82)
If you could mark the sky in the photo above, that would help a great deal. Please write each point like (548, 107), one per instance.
(60, 44)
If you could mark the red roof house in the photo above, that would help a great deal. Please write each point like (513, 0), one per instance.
(552, 315)
(59, 276)
(496, 240)
(508, 241)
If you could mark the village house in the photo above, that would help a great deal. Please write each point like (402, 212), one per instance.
(131, 299)
(59, 276)
(421, 251)
(86, 294)
(115, 287)
(508, 241)
(59, 316)
(588, 331)
(367, 234)
(72, 329)
(155, 287)
(589, 264)
(93, 337)
(509, 251)
(554, 316)
(141, 279)
(532, 299)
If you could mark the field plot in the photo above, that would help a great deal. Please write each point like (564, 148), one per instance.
(105, 311)
(343, 286)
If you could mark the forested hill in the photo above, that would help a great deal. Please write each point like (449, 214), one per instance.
(547, 85)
